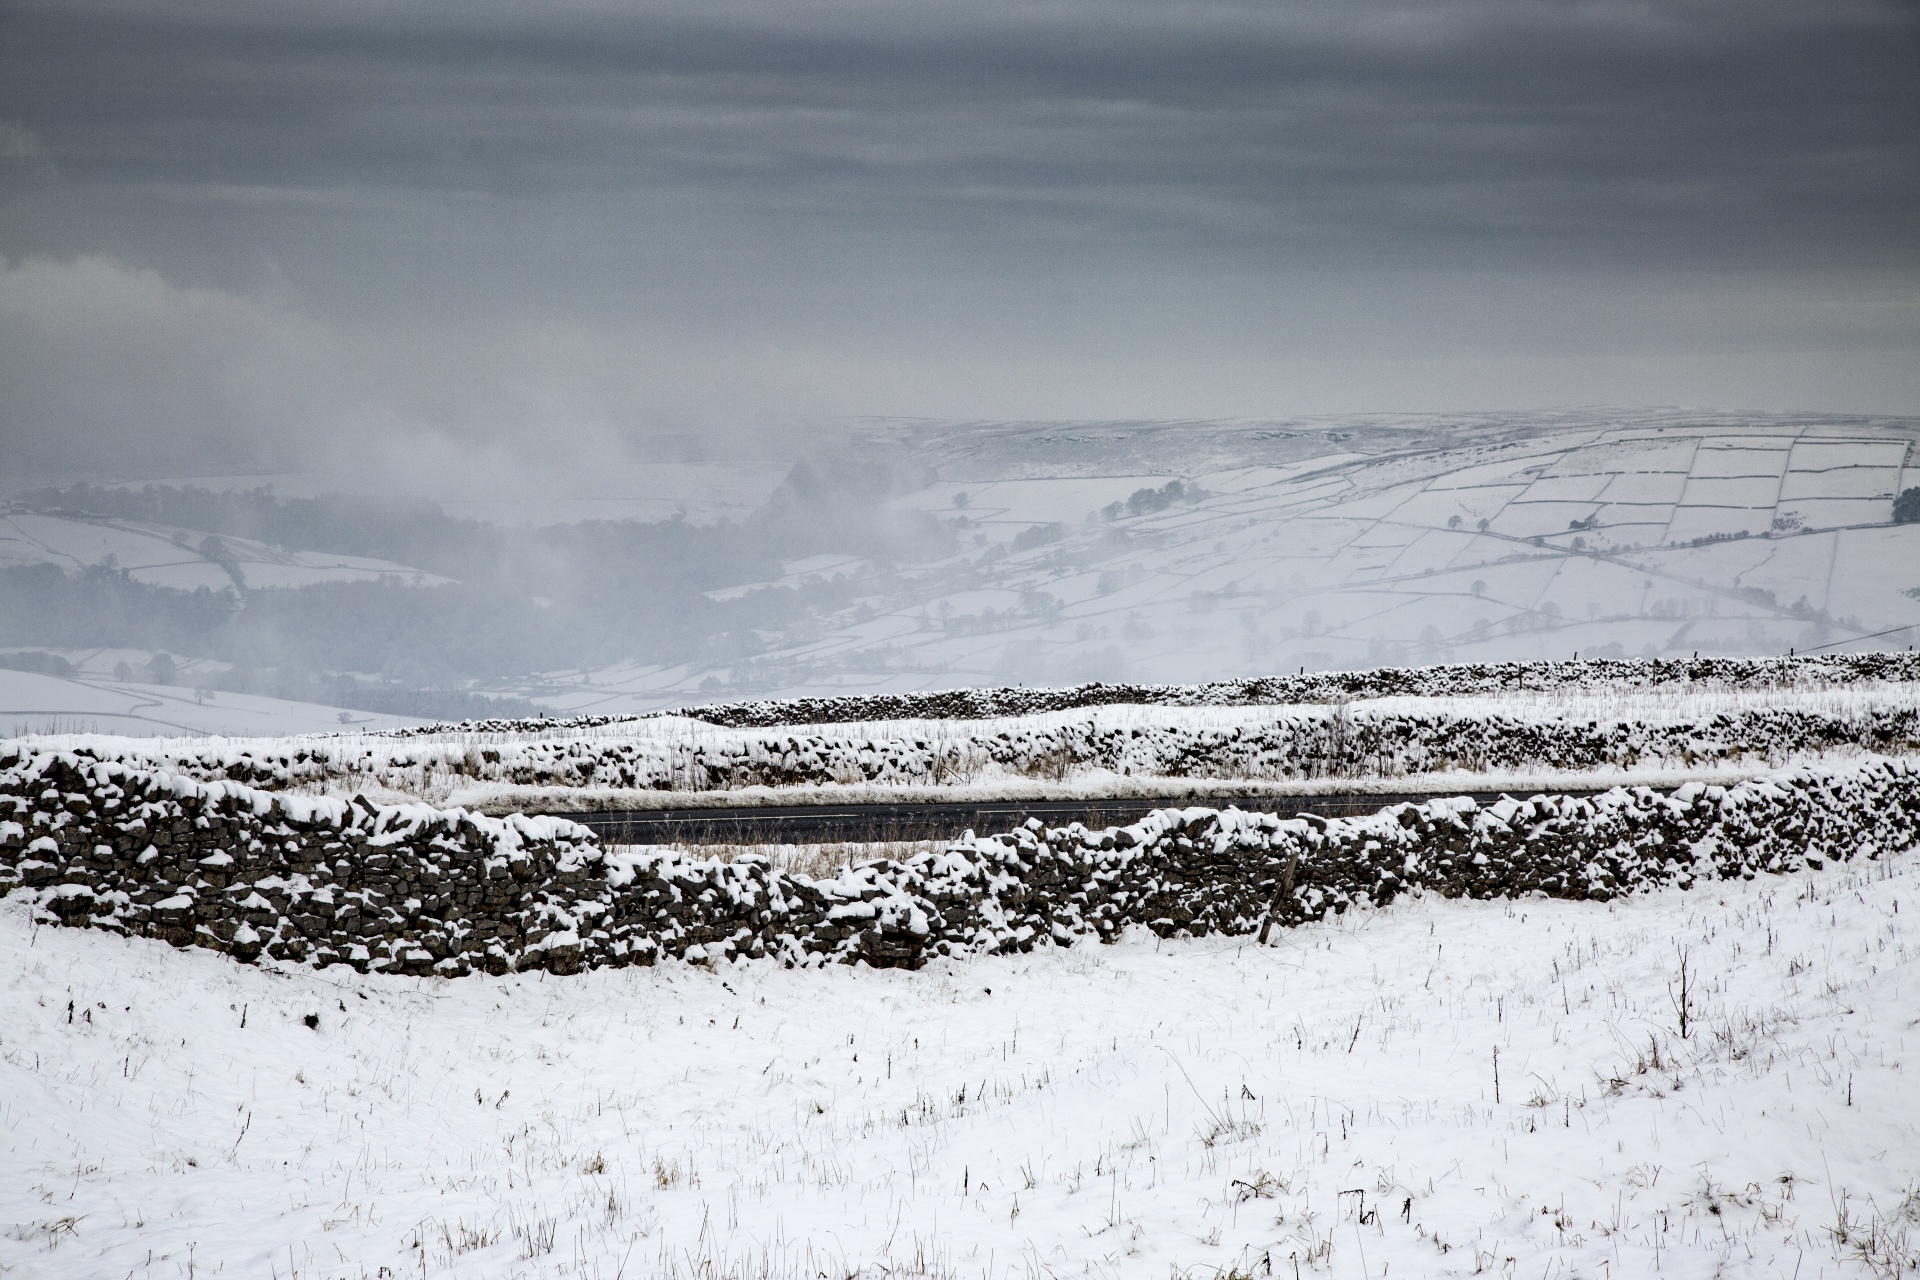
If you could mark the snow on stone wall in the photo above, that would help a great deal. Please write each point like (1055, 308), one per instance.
(1377, 740)
(411, 889)
(1527, 720)
(1460, 680)
(1456, 680)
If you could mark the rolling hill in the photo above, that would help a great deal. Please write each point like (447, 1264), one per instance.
(1209, 550)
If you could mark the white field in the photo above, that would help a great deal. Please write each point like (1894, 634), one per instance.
(38, 706)
(1327, 1104)
(167, 557)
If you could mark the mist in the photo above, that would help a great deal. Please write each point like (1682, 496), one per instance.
(509, 602)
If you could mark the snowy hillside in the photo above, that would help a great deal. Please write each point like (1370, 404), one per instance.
(181, 558)
(1190, 551)
(40, 704)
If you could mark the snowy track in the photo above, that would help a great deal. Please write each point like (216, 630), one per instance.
(1329, 1101)
(827, 823)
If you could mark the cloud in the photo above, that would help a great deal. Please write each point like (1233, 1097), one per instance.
(515, 238)
(17, 142)
(109, 370)
(111, 367)
(1417, 133)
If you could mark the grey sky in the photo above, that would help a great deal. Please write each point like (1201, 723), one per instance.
(571, 231)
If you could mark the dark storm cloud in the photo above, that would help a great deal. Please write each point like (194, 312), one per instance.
(1712, 132)
(250, 229)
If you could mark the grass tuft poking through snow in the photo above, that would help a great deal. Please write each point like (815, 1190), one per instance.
(1670, 1084)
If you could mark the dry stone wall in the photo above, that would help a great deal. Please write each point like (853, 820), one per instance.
(410, 889)
(1449, 681)
(403, 887)
(1307, 745)
(1296, 743)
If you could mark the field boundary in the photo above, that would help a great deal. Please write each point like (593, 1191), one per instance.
(416, 890)
(1453, 680)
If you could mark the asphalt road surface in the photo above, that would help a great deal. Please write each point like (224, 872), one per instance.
(827, 823)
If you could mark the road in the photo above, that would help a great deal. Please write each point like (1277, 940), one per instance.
(827, 823)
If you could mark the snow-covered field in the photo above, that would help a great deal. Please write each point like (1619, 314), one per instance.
(91, 708)
(1435, 1088)
(163, 556)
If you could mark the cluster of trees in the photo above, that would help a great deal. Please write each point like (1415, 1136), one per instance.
(1144, 502)
(40, 663)
(1040, 535)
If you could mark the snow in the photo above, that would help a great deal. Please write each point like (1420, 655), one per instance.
(1009, 506)
(800, 573)
(1841, 483)
(1649, 487)
(1740, 492)
(1729, 459)
(1551, 739)
(36, 704)
(493, 797)
(164, 556)
(1329, 1101)
(1570, 488)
